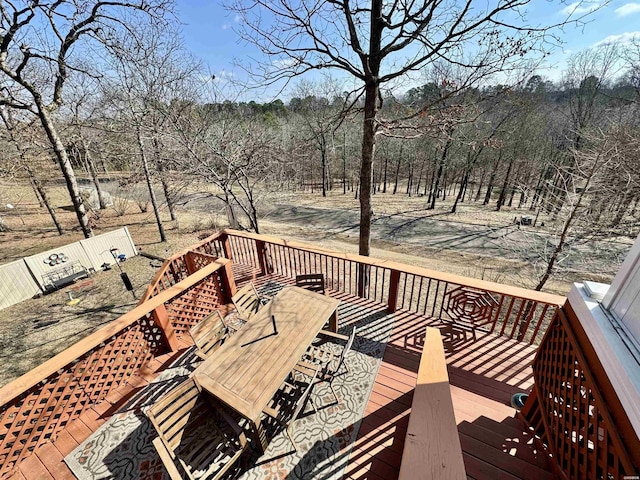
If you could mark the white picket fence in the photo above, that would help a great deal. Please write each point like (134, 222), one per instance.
(24, 278)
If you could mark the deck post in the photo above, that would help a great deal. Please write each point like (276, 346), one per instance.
(161, 318)
(261, 249)
(188, 258)
(226, 246)
(228, 282)
(394, 283)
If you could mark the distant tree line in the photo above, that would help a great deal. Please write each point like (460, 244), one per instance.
(565, 151)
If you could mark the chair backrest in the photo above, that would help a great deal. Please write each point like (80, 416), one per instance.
(174, 411)
(346, 349)
(247, 301)
(209, 334)
(303, 398)
(190, 428)
(311, 281)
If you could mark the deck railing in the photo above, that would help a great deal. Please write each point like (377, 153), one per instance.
(182, 264)
(191, 284)
(38, 405)
(569, 412)
(513, 312)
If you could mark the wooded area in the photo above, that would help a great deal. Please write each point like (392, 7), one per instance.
(138, 107)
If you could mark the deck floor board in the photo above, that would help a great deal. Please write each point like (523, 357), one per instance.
(483, 374)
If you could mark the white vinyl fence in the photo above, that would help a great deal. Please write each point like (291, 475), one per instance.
(27, 277)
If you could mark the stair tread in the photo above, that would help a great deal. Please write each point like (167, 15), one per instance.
(523, 449)
(478, 469)
(502, 460)
(502, 427)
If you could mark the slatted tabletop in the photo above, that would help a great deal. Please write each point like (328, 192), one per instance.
(247, 370)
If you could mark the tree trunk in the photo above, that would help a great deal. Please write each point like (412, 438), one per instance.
(422, 164)
(386, 163)
(438, 177)
(344, 163)
(512, 195)
(66, 167)
(147, 175)
(463, 184)
(323, 164)
(163, 181)
(36, 192)
(410, 179)
(43, 195)
(503, 192)
(94, 174)
(231, 214)
(371, 66)
(368, 152)
(395, 186)
(477, 197)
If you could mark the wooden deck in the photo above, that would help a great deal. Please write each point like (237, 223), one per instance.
(483, 376)
(484, 373)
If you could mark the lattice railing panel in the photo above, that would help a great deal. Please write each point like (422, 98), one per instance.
(171, 272)
(176, 268)
(211, 246)
(196, 260)
(42, 411)
(195, 303)
(577, 423)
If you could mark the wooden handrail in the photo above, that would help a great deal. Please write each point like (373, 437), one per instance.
(51, 366)
(493, 287)
(432, 444)
(167, 263)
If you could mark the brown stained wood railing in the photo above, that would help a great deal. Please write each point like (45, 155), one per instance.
(36, 406)
(569, 412)
(180, 265)
(432, 444)
(514, 312)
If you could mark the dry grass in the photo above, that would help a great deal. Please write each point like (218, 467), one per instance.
(35, 330)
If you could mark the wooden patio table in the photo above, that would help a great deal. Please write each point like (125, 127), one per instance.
(246, 372)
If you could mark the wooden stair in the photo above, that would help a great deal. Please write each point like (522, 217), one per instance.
(502, 450)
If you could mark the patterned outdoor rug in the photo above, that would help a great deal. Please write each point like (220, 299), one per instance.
(325, 438)
(122, 447)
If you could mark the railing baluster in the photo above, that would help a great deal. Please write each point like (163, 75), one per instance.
(497, 314)
(539, 324)
(435, 299)
(516, 321)
(446, 287)
(506, 317)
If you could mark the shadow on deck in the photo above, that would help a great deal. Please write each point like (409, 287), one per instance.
(484, 373)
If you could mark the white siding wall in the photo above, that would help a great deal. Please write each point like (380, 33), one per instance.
(623, 297)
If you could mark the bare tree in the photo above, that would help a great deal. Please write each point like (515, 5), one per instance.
(14, 131)
(319, 119)
(589, 162)
(239, 156)
(587, 73)
(378, 43)
(149, 72)
(41, 43)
